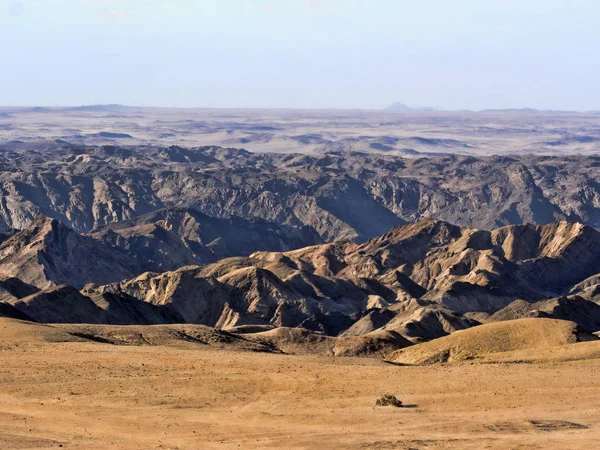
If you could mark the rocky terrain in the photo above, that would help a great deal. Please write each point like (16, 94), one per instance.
(171, 238)
(415, 283)
(353, 196)
(331, 254)
(48, 253)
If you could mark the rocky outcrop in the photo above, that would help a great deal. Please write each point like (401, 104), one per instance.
(464, 269)
(236, 292)
(415, 320)
(588, 288)
(185, 292)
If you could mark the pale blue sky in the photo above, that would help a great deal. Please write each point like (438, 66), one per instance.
(454, 54)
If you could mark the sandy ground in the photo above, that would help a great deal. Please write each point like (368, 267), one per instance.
(88, 395)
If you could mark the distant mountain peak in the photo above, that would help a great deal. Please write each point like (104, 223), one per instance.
(399, 106)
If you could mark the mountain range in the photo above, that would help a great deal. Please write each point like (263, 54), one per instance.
(353, 196)
(415, 283)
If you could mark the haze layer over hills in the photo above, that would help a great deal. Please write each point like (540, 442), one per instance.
(406, 132)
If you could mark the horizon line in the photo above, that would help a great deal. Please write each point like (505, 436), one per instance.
(285, 108)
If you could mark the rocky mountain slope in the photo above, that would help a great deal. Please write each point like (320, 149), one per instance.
(463, 269)
(350, 196)
(48, 253)
(415, 283)
(171, 238)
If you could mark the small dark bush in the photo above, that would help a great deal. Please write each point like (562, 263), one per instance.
(389, 400)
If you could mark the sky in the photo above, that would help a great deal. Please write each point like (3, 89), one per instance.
(451, 54)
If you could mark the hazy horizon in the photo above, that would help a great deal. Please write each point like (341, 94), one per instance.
(283, 108)
(306, 54)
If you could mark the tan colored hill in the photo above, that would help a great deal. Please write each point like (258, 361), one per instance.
(299, 341)
(181, 335)
(25, 333)
(376, 344)
(494, 340)
(296, 341)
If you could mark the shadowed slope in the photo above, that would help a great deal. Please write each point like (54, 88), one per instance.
(48, 253)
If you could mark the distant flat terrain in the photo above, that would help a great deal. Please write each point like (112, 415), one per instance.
(407, 133)
(95, 395)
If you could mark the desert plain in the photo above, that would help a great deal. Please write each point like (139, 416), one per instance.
(84, 395)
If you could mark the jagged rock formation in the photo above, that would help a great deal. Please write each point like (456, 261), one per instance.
(461, 268)
(235, 292)
(415, 320)
(415, 283)
(350, 196)
(171, 238)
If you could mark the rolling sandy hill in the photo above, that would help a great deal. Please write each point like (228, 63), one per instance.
(22, 333)
(494, 340)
